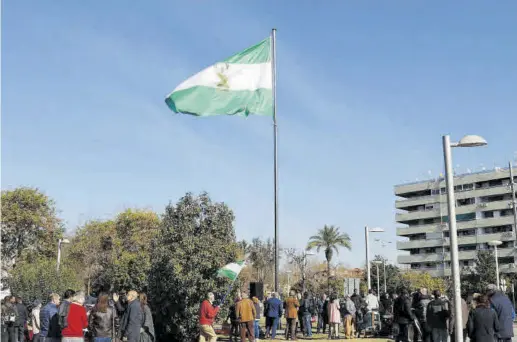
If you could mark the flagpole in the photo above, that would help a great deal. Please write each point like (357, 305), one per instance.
(275, 155)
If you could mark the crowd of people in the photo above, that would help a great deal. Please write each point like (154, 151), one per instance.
(78, 318)
(417, 316)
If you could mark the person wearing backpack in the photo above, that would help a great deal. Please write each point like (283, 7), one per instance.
(64, 308)
(307, 309)
(438, 313)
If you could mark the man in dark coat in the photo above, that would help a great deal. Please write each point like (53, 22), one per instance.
(403, 315)
(504, 309)
(421, 313)
(323, 315)
(21, 319)
(132, 319)
(273, 313)
(438, 314)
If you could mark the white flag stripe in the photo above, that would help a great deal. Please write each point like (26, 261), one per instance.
(239, 77)
(234, 267)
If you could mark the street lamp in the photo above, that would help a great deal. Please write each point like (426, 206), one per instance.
(367, 231)
(467, 141)
(496, 243)
(60, 241)
(377, 263)
(383, 244)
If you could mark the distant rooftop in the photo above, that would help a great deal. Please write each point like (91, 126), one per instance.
(441, 177)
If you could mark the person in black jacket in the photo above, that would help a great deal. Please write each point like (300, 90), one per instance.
(483, 324)
(420, 306)
(22, 319)
(102, 319)
(403, 315)
(438, 313)
(131, 322)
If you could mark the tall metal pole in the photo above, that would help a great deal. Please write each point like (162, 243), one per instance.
(514, 202)
(58, 254)
(275, 148)
(366, 238)
(496, 267)
(385, 288)
(451, 205)
(378, 282)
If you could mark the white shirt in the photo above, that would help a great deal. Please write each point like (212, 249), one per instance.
(35, 321)
(372, 303)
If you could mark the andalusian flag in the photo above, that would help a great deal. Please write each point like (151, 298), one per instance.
(231, 271)
(241, 84)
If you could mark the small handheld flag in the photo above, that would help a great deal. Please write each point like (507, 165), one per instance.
(231, 271)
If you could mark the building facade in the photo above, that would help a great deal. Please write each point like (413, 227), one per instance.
(484, 213)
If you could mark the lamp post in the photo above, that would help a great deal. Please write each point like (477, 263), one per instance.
(377, 263)
(496, 243)
(467, 141)
(383, 244)
(367, 232)
(60, 241)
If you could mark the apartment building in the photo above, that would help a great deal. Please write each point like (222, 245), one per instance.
(484, 213)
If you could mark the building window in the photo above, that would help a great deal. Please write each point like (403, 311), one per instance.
(488, 214)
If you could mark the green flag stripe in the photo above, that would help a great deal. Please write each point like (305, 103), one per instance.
(260, 53)
(207, 101)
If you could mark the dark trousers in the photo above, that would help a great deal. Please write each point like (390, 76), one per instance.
(21, 334)
(403, 335)
(272, 325)
(321, 323)
(247, 329)
(290, 331)
(300, 323)
(426, 332)
(465, 332)
(35, 338)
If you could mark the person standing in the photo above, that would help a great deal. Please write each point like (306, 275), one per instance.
(77, 321)
(21, 321)
(483, 324)
(334, 317)
(348, 317)
(147, 329)
(403, 315)
(35, 319)
(48, 320)
(273, 314)
(132, 319)
(246, 315)
(291, 313)
(438, 313)
(300, 314)
(372, 302)
(464, 320)
(421, 304)
(232, 316)
(207, 314)
(504, 309)
(258, 310)
(9, 318)
(307, 309)
(102, 320)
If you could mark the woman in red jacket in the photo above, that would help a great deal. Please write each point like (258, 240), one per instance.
(77, 320)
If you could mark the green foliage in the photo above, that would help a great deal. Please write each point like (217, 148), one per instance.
(115, 254)
(394, 279)
(38, 278)
(419, 280)
(262, 258)
(30, 227)
(482, 275)
(196, 238)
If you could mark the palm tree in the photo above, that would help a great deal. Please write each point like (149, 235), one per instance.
(330, 239)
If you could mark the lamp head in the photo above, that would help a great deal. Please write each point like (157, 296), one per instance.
(376, 230)
(495, 243)
(471, 141)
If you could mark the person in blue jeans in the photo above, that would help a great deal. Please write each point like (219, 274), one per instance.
(258, 310)
(273, 312)
(307, 308)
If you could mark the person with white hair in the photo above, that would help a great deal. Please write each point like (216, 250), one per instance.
(77, 320)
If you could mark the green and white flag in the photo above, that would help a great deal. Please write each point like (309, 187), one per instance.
(239, 85)
(231, 271)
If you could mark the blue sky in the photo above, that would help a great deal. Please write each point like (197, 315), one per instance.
(365, 91)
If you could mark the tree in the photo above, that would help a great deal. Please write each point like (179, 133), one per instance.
(30, 226)
(195, 239)
(417, 280)
(38, 278)
(115, 254)
(330, 239)
(262, 257)
(481, 275)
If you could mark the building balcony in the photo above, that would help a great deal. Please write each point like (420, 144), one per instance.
(422, 200)
(446, 256)
(446, 272)
(433, 213)
(462, 240)
(437, 227)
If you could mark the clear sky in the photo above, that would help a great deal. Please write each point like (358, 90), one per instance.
(365, 91)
